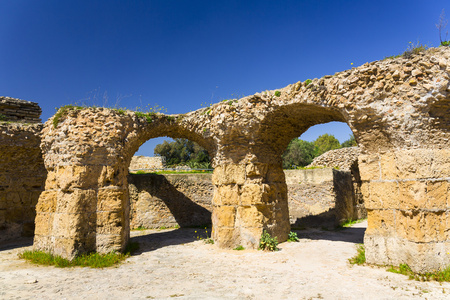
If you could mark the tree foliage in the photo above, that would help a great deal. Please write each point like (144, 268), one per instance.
(351, 142)
(326, 142)
(184, 152)
(299, 153)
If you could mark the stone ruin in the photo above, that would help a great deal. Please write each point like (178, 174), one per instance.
(22, 170)
(398, 110)
(316, 198)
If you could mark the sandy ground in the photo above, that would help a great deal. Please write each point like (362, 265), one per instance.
(174, 264)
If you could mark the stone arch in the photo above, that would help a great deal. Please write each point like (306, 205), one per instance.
(397, 109)
(85, 206)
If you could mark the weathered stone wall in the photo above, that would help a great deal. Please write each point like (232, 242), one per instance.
(170, 199)
(16, 110)
(22, 178)
(346, 159)
(396, 108)
(146, 162)
(407, 198)
(318, 197)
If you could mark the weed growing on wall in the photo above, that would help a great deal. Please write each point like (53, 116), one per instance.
(3, 117)
(239, 247)
(63, 111)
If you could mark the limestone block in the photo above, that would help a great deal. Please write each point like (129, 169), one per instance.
(226, 195)
(255, 194)
(388, 166)
(412, 194)
(369, 167)
(73, 225)
(381, 222)
(275, 174)
(414, 164)
(110, 199)
(256, 169)
(223, 216)
(421, 227)
(110, 222)
(252, 216)
(250, 237)
(47, 202)
(438, 194)
(76, 201)
(112, 176)
(229, 174)
(81, 177)
(383, 195)
(44, 223)
(441, 163)
(226, 237)
(106, 243)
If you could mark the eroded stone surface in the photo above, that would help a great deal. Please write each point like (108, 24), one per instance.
(22, 177)
(396, 109)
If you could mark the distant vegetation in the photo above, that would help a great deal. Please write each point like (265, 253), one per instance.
(184, 152)
(298, 154)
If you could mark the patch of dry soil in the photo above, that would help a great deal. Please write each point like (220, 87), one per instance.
(174, 264)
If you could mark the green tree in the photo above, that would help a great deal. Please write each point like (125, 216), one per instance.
(351, 142)
(298, 153)
(326, 142)
(185, 152)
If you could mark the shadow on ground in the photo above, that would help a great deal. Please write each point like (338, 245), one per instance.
(151, 240)
(350, 234)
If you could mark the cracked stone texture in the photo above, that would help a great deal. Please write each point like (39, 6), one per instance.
(397, 109)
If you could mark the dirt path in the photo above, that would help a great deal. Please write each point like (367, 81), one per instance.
(173, 264)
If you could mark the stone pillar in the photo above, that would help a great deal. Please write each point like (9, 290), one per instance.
(406, 194)
(248, 198)
(83, 209)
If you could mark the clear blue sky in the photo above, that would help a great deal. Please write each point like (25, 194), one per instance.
(182, 54)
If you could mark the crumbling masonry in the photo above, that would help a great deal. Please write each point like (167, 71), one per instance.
(398, 110)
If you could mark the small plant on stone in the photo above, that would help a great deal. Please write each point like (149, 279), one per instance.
(414, 49)
(239, 247)
(307, 82)
(3, 117)
(441, 26)
(209, 241)
(360, 257)
(277, 93)
(292, 237)
(267, 242)
(62, 112)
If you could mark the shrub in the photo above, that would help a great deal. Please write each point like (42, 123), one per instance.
(267, 242)
(277, 93)
(292, 237)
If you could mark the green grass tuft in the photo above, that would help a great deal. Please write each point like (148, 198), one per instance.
(360, 257)
(349, 223)
(92, 260)
(404, 269)
(239, 247)
(62, 113)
